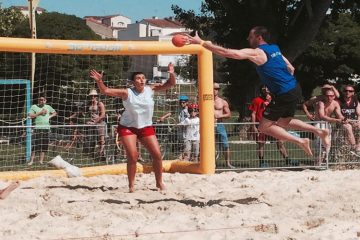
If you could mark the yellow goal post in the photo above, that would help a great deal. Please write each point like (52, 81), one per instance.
(206, 164)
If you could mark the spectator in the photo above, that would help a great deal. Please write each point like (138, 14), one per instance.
(182, 115)
(42, 113)
(192, 134)
(97, 115)
(77, 136)
(324, 111)
(312, 101)
(350, 109)
(258, 106)
(222, 111)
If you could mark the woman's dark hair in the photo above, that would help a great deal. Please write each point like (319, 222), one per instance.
(134, 74)
(263, 32)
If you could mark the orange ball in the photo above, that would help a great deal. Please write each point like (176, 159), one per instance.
(179, 40)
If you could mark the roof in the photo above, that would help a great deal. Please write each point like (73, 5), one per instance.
(104, 17)
(27, 8)
(164, 23)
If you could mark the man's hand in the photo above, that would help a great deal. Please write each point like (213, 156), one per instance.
(43, 111)
(310, 116)
(194, 39)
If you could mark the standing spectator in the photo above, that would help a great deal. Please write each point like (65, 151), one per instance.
(350, 109)
(324, 111)
(96, 115)
(192, 134)
(258, 106)
(312, 101)
(42, 113)
(136, 121)
(181, 131)
(222, 111)
(276, 72)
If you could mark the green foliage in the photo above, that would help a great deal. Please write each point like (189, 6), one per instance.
(294, 24)
(63, 77)
(9, 19)
(55, 25)
(334, 56)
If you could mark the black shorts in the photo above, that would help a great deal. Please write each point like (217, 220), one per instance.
(284, 105)
(40, 140)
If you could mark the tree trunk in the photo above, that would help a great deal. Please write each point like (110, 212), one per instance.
(306, 32)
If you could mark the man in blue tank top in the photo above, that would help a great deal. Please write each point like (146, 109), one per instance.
(276, 73)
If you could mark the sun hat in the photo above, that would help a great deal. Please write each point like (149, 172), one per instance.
(216, 86)
(93, 92)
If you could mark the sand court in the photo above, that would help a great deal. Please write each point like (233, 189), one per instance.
(247, 205)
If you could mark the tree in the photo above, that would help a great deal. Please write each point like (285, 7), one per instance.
(294, 25)
(9, 19)
(334, 55)
(63, 77)
(55, 25)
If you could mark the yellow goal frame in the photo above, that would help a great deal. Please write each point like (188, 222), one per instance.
(206, 99)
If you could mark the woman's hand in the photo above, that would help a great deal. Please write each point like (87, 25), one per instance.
(96, 75)
(171, 68)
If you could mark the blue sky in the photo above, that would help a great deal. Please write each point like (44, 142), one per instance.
(134, 9)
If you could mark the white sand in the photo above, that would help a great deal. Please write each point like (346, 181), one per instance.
(247, 205)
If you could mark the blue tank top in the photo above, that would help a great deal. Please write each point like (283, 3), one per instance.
(274, 73)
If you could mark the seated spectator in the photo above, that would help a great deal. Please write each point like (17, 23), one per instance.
(350, 109)
(311, 103)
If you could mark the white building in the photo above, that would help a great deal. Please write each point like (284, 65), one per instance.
(107, 26)
(25, 10)
(153, 29)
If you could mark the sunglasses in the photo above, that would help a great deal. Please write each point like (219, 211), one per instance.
(347, 90)
(330, 95)
(216, 88)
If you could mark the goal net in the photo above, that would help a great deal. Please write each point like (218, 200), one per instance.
(64, 80)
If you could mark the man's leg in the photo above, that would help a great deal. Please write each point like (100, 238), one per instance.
(260, 148)
(350, 134)
(32, 158)
(277, 131)
(42, 157)
(227, 157)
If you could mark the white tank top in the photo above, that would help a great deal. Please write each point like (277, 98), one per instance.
(139, 108)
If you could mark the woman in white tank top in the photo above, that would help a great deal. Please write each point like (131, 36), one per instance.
(136, 121)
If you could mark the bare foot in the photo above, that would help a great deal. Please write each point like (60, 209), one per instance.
(131, 189)
(324, 135)
(305, 145)
(6, 191)
(161, 186)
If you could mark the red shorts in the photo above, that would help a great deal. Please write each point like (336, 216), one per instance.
(139, 132)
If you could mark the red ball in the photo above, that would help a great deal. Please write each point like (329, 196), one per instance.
(179, 40)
